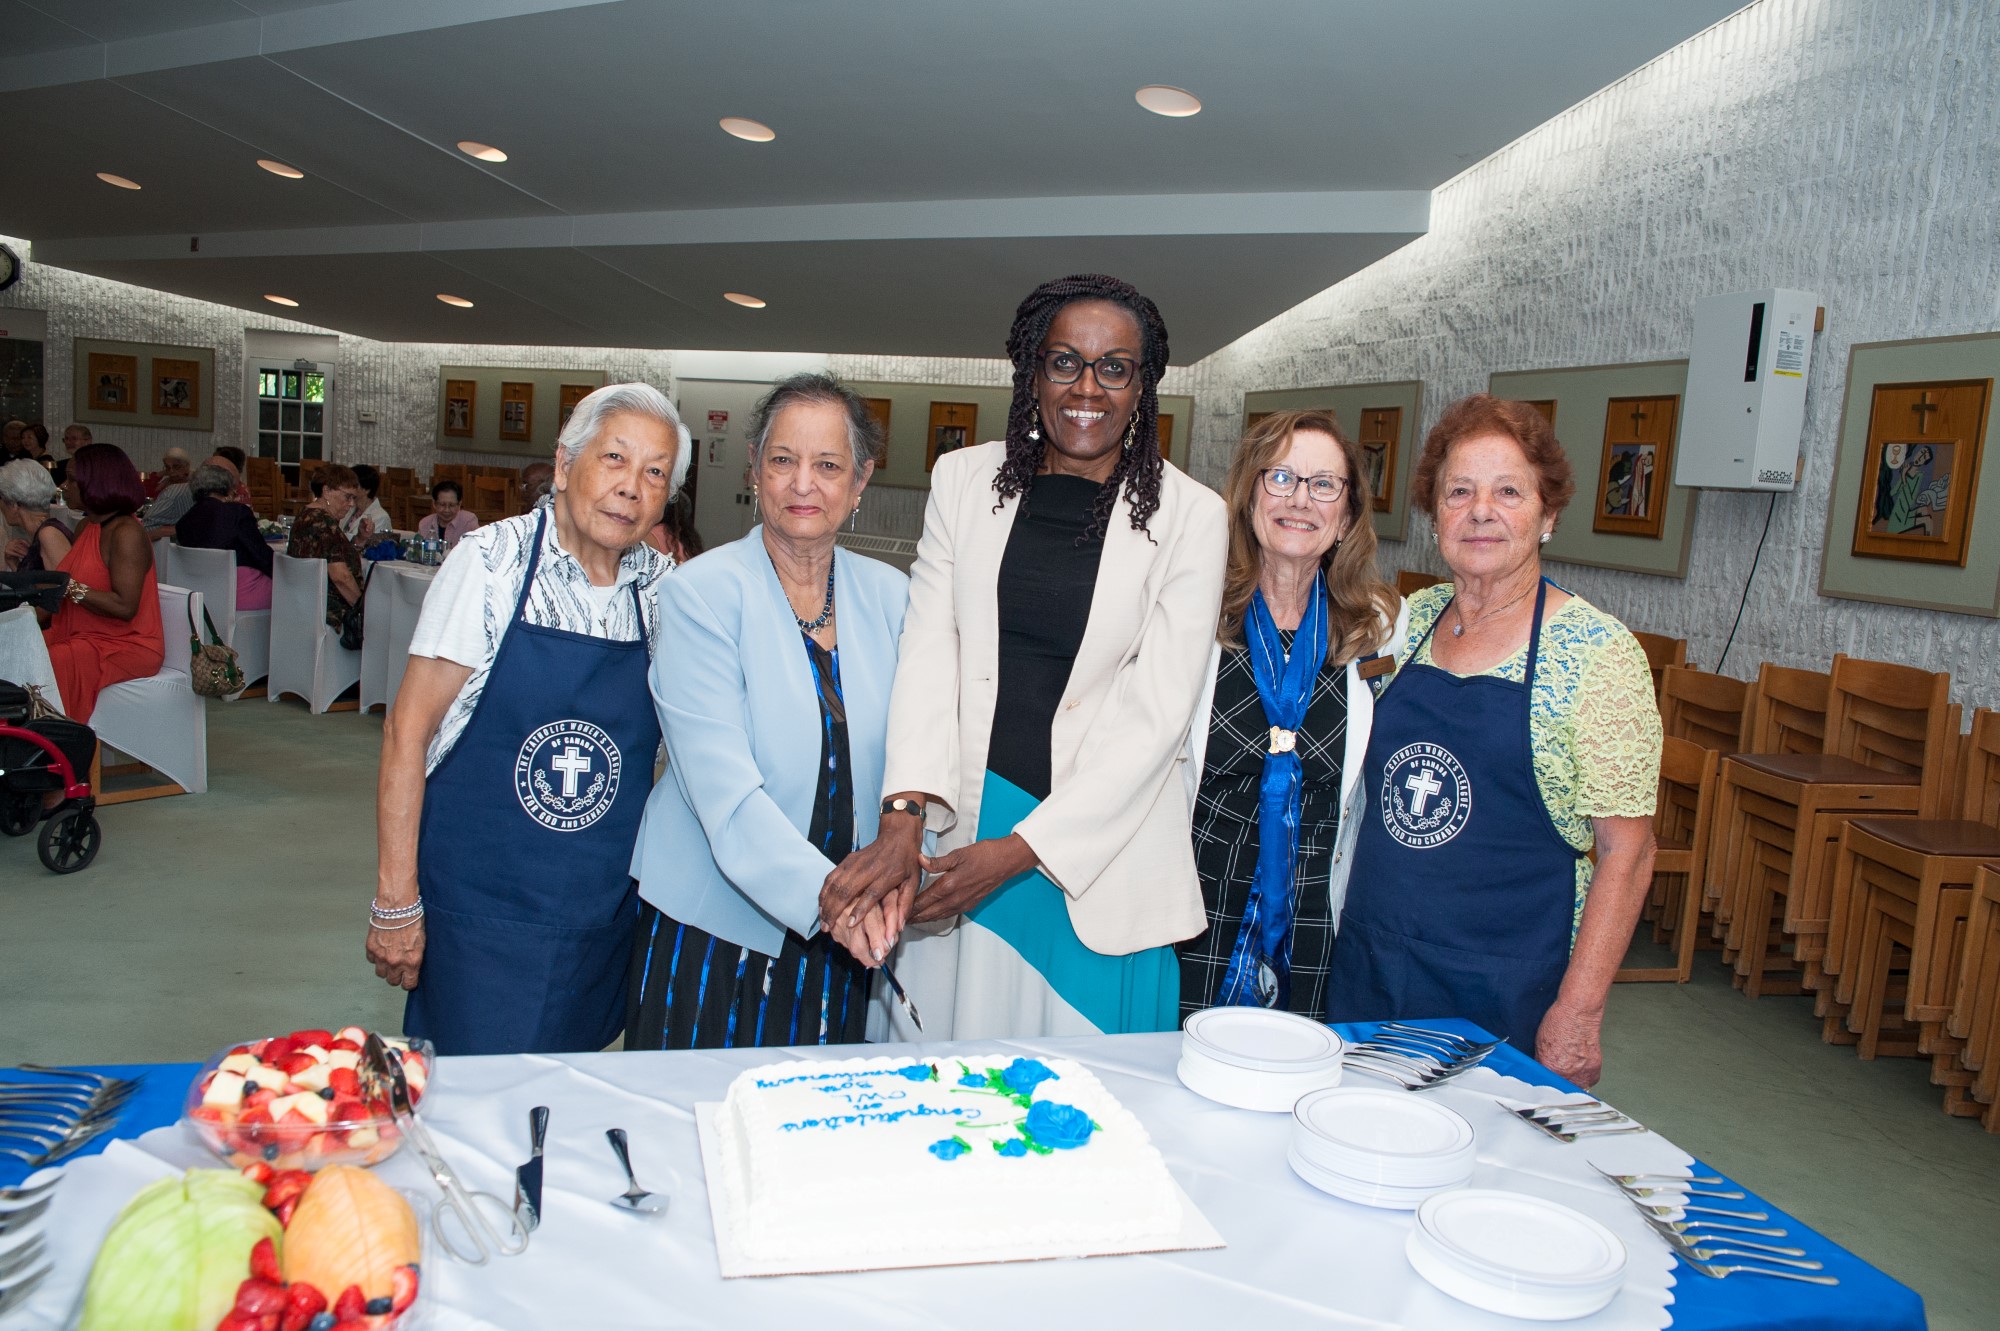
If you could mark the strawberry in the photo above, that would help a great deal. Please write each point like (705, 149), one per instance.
(294, 1064)
(284, 1212)
(257, 1171)
(303, 1303)
(403, 1283)
(294, 1320)
(318, 1037)
(345, 1110)
(258, 1296)
(344, 1044)
(255, 1115)
(285, 1186)
(260, 1097)
(270, 1322)
(274, 1050)
(351, 1306)
(206, 1113)
(264, 1262)
(346, 1083)
(236, 1321)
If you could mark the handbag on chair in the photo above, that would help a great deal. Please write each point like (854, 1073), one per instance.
(351, 616)
(212, 664)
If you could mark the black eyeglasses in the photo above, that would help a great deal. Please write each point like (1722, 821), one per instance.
(1283, 483)
(1066, 367)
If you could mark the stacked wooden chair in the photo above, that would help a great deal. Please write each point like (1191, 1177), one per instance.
(1681, 828)
(490, 497)
(1974, 1023)
(1661, 652)
(1409, 581)
(1890, 748)
(266, 482)
(1784, 712)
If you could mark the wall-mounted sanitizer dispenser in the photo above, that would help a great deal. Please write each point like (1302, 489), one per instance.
(1746, 390)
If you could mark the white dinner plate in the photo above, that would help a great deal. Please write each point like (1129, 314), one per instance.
(1521, 1240)
(1242, 1088)
(1262, 1040)
(1386, 1196)
(1525, 1301)
(1385, 1136)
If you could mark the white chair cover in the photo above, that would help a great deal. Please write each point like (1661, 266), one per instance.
(409, 588)
(161, 720)
(213, 574)
(24, 653)
(307, 660)
(375, 644)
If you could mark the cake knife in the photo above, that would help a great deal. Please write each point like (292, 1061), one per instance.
(528, 1178)
(903, 998)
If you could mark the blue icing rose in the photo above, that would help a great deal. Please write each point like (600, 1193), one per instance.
(1013, 1146)
(1023, 1075)
(1058, 1126)
(949, 1149)
(973, 1079)
(917, 1072)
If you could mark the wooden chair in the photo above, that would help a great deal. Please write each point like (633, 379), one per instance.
(1707, 709)
(450, 471)
(1975, 1008)
(1902, 892)
(1784, 713)
(1408, 580)
(1661, 652)
(1891, 742)
(1681, 826)
(488, 497)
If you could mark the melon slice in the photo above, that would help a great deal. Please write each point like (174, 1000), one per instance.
(350, 1229)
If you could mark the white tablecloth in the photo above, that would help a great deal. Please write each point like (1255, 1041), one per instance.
(388, 627)
(1296, 1257)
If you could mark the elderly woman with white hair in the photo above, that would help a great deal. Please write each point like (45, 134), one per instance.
(27, 492)
(517, 756)
(777, 654)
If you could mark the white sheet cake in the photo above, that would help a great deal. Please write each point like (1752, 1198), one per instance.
(827, 1162)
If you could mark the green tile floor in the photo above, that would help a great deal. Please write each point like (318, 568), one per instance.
(211, 917)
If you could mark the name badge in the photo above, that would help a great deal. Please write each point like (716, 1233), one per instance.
(1375, 667)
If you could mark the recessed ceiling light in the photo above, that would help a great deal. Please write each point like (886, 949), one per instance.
(485, 152)
(286, 301)
(119, 181)
(459, 301)
(1165, 100)
(738, 298)
(754, 130)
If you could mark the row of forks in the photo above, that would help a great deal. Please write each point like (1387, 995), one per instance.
(1416, 1057)
(1696, 1242)
(24, 1266)
(54, 1118)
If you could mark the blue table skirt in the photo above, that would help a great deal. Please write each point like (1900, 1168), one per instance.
(1865, 1300)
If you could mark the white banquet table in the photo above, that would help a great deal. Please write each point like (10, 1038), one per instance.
(390, 622)
(1295, 1257)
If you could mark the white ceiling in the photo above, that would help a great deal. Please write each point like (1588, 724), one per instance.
(934, 158)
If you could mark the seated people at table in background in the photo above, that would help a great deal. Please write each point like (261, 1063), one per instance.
(316, 534)
(26, 494)
(504, 902)
(446, 518)
(74, 436)
(108, 627)
(10, 438)
(351, 526)
(232, 458)
(1062, 607)
(371, 510)
(174, 501)
(538, 479)
(35, 446)
(674, 534)
(777, 654)
(216, 522)
(1518, 732)
(1275, 763)
(174, 469)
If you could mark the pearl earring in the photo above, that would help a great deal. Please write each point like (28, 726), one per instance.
(1545, 537)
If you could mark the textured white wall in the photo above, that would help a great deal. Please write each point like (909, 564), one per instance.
(1848, 147)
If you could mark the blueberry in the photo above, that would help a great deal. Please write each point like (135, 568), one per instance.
(271, 1151)
(376, 1307)
(322, 1322)
(251, 1088)
(326, 1093)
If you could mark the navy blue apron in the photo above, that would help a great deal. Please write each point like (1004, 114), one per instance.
(1462, 890)
(525, 849)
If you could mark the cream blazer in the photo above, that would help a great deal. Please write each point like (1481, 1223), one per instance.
(1114, 832)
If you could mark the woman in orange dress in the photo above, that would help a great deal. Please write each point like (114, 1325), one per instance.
(108, 628)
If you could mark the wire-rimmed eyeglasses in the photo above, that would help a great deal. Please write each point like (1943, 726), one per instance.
(1283, 482)
(1066, 367)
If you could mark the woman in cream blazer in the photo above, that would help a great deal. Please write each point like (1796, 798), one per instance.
(1061, 607)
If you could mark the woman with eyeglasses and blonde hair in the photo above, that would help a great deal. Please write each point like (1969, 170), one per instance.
(1275, 761)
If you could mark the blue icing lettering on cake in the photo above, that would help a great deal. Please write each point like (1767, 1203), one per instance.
(1068, 1165)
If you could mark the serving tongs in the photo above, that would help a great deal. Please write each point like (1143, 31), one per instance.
(382, 1077)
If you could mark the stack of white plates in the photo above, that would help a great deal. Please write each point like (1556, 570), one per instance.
(1379, 1147)
(1256, 1058)
(1518, 1255)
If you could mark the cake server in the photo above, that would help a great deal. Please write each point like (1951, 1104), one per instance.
(528, 1178)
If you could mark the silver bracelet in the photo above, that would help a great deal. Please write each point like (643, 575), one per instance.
(374, 923)
(377, 910)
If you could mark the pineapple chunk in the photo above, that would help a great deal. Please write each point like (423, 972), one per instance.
(225, 1090)
(344, 1058)
(314, 1078)
(309, 1105)
(238, 1063)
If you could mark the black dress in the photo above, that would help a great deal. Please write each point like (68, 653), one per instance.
(1225, 831)
(689, 989)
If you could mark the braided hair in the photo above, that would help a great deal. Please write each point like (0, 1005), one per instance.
(1139, 466)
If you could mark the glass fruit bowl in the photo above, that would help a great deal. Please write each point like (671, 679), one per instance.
(296, 1102)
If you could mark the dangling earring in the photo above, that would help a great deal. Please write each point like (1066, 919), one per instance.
(854, 517)
(1131, 431)
(1035, 424)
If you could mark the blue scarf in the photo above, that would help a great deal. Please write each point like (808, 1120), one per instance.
(1259, 973)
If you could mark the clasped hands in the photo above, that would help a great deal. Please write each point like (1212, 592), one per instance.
(873, 894)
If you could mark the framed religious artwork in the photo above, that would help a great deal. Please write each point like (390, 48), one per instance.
(1166, 433)
(566, 399)
(1545, 405)
(1920, 470)
(517, 411)
(113, 382)
(1381, 427)
(883, 410)
(951, 428)
(1636, 465)
(461, 397)
(176, 387)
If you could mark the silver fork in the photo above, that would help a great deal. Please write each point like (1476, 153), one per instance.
(1687, 1227)
(13, 1222)
(73, 1142)
(21, 1258)
(1448, 1039)
(27, 1193)
(1708, 1248)
(1666, 1178)
(1718, 1193)
(14, 1295)
(1718, 1272)
(1412, 1076)
(1666, 1212)
(78, 1074)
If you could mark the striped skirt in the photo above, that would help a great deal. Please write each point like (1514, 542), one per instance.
(692, 990)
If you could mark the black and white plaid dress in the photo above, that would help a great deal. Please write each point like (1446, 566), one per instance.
(1225, 831)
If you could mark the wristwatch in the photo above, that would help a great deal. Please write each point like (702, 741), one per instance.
(901, 805)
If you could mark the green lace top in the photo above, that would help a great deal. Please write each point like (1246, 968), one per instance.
(1593, 722)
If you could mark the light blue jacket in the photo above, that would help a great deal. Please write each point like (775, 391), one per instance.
(723, 846)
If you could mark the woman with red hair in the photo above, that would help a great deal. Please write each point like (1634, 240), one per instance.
(108, 629)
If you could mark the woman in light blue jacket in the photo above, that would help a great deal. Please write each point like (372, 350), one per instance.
(772, 679)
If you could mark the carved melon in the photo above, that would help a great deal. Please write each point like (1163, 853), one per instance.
(350, 1229)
